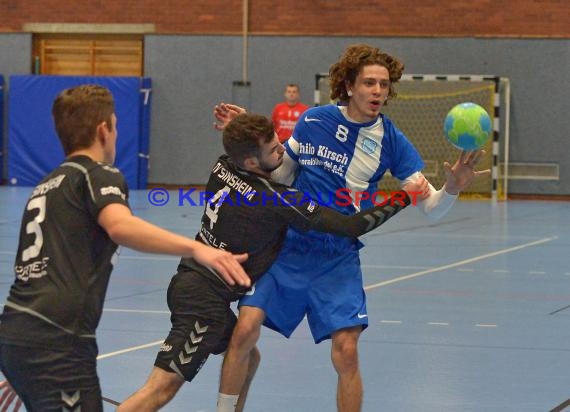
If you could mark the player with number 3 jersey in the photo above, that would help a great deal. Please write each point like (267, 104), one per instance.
(72, 225)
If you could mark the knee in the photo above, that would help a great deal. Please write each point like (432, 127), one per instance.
(244, 339)
(245, 334)
(158, 390)
(162, 386)
(344, 354)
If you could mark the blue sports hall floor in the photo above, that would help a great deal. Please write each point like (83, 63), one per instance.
(468, 314)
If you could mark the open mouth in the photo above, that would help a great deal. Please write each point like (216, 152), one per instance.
(375, 104)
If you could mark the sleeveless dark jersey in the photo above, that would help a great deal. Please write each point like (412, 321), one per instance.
(64, 257)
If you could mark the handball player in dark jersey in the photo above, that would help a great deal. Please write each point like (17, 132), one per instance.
(246, 213)
(72, 225)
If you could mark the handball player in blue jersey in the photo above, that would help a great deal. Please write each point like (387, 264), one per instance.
(247, 212)
(349, 147)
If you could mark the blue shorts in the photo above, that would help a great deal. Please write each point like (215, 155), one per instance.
(316, 275)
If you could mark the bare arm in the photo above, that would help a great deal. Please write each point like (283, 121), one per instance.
(130, 231)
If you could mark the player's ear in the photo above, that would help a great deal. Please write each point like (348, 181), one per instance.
(103, 132)
(250, 163)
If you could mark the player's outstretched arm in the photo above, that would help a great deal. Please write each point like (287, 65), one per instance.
(130, 231)
(8, 397)
(362, 222)
(329, 220)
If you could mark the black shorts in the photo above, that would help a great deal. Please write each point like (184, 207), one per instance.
(202, 324)
(49, 380)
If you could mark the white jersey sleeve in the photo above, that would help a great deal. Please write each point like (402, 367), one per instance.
(287, 172)
(437, 204)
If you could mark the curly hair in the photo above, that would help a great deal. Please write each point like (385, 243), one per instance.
(350, 64)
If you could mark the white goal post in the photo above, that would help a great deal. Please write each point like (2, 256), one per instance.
(419, 110)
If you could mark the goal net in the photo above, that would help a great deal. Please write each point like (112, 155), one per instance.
(419, 110)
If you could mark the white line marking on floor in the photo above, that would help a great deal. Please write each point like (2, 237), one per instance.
(438, 323)
(138, 311)
(485, 325)
(532, 272)
(153, 257)
(385, 283)
(393, 267)
(131, 349)
(460, 263)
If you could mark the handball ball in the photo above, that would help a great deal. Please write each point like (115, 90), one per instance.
(467, 126)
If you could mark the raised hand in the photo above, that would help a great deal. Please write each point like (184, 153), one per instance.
(225, 113)
(462, 173)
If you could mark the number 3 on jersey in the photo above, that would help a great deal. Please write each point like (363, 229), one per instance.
(214, 203)
(33, 228)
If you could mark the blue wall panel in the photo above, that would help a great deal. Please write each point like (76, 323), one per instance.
(1, 127)
(34, 149)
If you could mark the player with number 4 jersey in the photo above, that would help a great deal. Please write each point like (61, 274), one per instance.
(246, 212)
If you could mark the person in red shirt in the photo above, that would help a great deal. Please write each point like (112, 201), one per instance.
(285, 114)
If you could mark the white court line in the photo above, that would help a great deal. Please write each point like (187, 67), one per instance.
(392, 267)
(131, 349)
(385, 283)
(153, 257)
(137, 311)
(461, 262)
(121, 257)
